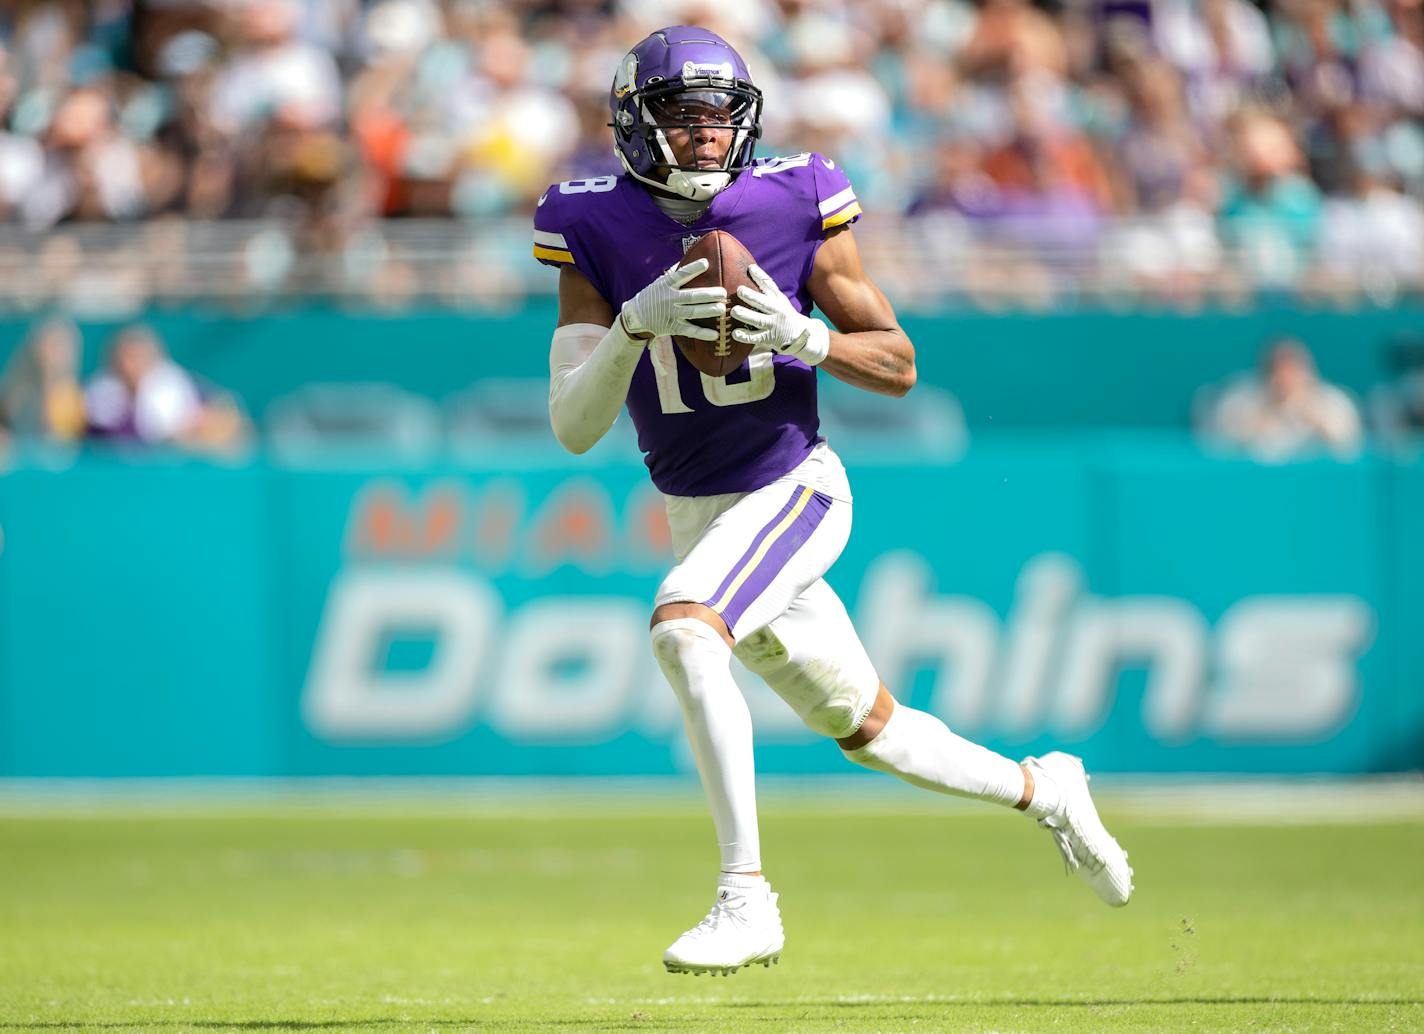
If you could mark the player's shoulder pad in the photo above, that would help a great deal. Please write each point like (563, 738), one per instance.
(816, 181)
(561, 216)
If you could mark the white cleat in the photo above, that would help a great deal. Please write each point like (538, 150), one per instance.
(1087, 847)
(742, 929)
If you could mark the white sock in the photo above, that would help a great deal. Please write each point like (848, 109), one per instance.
(920, 749)
(697, 663)
(1047, 797)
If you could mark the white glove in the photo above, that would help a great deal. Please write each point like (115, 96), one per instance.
(666, 307)
(772, 322)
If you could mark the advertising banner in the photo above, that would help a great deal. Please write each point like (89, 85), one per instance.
(1133, 601)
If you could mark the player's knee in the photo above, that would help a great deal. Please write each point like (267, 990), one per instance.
(683, 645)
(674, 639)
(836, 719)
(822, 693)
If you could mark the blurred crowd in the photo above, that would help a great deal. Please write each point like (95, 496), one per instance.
(140, 398)
(1190, 141)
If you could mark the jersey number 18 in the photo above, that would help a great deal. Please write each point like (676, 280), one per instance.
(716, 389)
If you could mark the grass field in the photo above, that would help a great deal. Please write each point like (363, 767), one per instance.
(902, 914)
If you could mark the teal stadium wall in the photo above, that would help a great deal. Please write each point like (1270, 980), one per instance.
(1086, 368)
(1084, 577)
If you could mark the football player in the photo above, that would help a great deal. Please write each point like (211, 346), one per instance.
(757, 502)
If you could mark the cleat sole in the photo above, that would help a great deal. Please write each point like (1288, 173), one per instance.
(719, 971)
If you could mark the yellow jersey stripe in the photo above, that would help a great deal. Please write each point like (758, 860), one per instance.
(750, 565)
(846, 214)
(553, 254)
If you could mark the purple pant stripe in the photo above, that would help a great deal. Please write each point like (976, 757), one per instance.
(777, 557)
(756, 544)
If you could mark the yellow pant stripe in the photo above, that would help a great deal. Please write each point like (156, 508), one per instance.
(750, 565)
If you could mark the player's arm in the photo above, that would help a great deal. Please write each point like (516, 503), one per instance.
(580, 302)
(593, 353)
(867, 349)
(591, 362)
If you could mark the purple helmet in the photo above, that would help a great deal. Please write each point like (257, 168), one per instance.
(675, 79)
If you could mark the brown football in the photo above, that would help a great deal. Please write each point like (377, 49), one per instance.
(728, 262)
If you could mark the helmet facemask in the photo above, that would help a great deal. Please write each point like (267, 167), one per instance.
(688, 104)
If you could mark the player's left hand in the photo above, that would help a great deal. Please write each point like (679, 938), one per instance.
(773, 322)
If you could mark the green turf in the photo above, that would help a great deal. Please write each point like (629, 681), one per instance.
(948, 919)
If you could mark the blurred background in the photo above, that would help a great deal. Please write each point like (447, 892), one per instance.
(277, 490)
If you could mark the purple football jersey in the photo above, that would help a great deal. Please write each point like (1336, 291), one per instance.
(705, 435)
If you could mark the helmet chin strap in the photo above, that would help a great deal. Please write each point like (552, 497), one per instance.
(698, 186)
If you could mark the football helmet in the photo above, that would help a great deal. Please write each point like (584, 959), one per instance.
(683, 77)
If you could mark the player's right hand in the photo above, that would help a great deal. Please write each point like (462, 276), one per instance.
(665, 307)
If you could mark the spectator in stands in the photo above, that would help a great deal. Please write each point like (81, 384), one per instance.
(143, 397)
(188, 63)
(92, 171)
(1161, 149)
(1374, 237)
(1392, 64)
(1012, 37)
(1283, 410)
(21, 156)
(1222, 48)
(1271, 211)
(1164, 179)
(511, 129)
(274, 77)
(40, 398)
(1053, 185)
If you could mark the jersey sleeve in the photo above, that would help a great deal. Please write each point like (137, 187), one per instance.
(552, 231)
(835, 197)
(570, 228)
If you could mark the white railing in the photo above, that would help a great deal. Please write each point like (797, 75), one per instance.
(117, 269)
